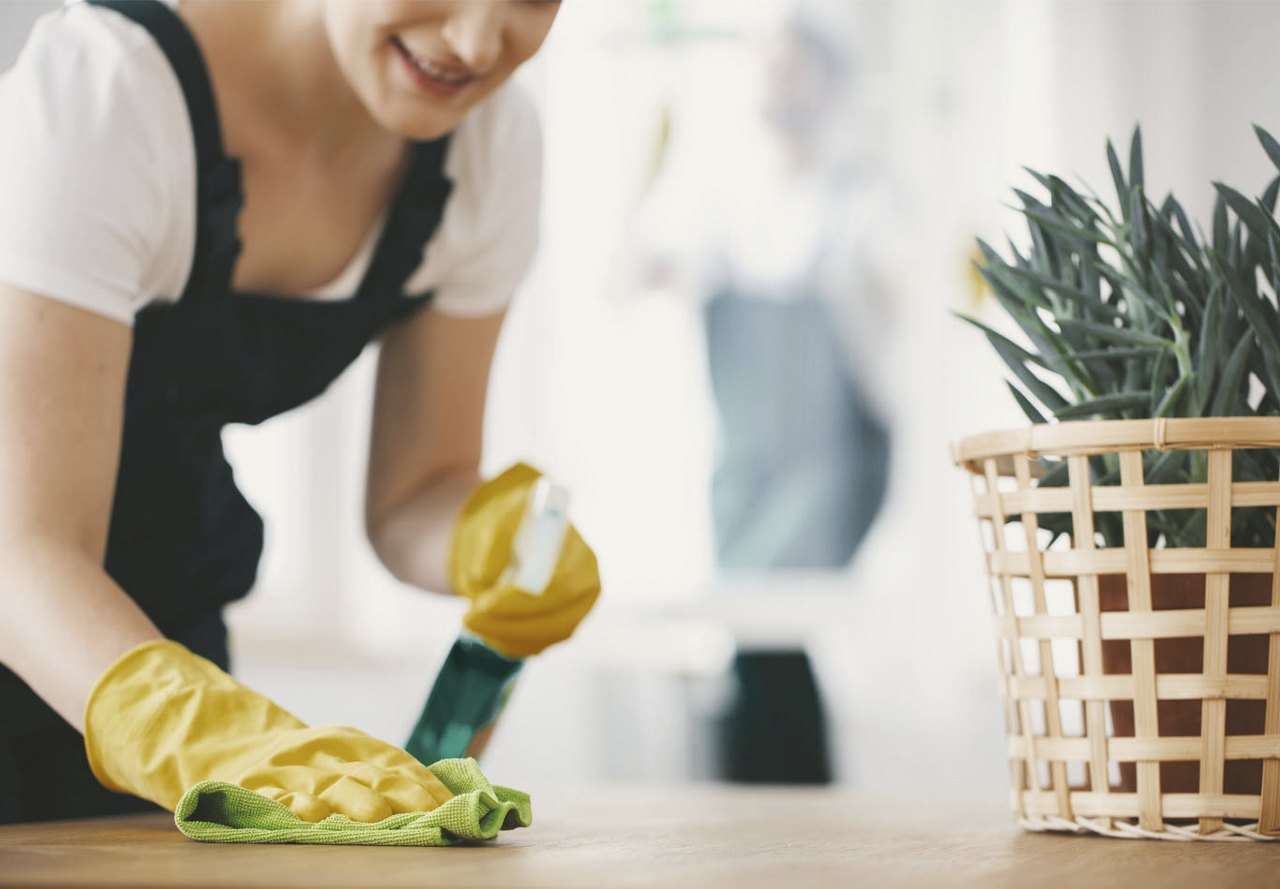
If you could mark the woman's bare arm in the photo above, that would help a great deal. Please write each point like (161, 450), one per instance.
(424, 455)
(63, 620)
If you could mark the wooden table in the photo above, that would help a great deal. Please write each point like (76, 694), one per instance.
(705, 835)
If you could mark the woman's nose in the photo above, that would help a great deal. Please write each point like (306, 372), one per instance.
(474, 32)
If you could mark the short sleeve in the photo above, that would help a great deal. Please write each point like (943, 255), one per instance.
(491, 224)
(93, 166)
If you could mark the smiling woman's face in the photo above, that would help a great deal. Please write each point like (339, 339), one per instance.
(419, 65)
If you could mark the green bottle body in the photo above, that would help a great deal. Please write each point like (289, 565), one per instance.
(469, 694)
(475, 682)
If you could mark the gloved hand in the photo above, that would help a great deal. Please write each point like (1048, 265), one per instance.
(509, 620)
(162, 719)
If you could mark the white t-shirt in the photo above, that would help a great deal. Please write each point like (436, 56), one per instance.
(98, 181)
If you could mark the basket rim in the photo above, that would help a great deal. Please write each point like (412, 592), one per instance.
(1102, 436)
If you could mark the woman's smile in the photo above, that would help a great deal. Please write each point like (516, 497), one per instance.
(432, 77)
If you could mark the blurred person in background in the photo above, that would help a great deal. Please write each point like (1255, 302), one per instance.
(209, 209)
(790, 264)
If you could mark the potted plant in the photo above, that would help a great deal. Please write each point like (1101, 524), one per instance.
(1132, 321)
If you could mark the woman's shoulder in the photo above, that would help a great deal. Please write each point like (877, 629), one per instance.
(83, 33)
(508, 112)
(87, 65)
(489, 233)
(96, 164)
(500, 132)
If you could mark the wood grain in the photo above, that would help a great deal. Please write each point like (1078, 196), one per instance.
(703, 835)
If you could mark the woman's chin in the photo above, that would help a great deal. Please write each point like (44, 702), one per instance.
(418, 125)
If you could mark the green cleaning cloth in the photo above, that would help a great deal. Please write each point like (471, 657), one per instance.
(217, 812)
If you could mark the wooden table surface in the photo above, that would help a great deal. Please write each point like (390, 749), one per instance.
(704, 835)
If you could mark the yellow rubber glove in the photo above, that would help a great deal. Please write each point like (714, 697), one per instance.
(162, 719)
(506, 618)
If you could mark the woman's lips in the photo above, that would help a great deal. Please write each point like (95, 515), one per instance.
(429, 77)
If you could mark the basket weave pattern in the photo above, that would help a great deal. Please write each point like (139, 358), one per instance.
(1070, 768)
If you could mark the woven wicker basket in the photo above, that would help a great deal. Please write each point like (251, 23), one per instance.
(1141, 683)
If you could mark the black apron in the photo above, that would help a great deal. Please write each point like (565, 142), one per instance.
(183, 541)
(800, 475)
(803, 460)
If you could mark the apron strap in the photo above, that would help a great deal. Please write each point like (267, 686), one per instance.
(415, 214)
(219, 196)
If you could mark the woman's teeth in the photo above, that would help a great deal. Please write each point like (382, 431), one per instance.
(425, 66)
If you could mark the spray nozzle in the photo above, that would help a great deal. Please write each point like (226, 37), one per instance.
(536, 548)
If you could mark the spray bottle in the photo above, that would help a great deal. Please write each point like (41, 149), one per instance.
(475, 682)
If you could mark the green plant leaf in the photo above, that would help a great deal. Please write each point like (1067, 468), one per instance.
(1165, 468)
(1105, 405)
(1232, 380)
(1055, 223)
(1117, 177)
(1171, 396)
(1064, 198)
(1268, 199)
(1090, 303)
(1056, 476)
(1157, 374)
(1048, 343)
(1174, 209)
(1032, 412)
(996, 271)
(1205, 360)
(1041, 178)
(990, 256)
(1124, 336)
(1016, 358)
(1191, 534)
(1183, 253)
(1044, 248)
(1212, 308)
(1168, 303)
(1230, 319)
(1261, 316)
(1273, 264)
(1135, 160)
(996, 337)
(1030, 323)
(1267, 370)
(1071, 202)
(1118, 353)
(1255, 466)
(1271, 372)
(1269, 144)
(1221, 225)
(1090, 278)
(1255, 219)
(1137, 219)
(998, 278)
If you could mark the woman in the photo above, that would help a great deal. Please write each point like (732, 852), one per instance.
(796, 291)
(209, 209)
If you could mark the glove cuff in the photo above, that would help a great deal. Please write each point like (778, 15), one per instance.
(161, 717)
(109, 700)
